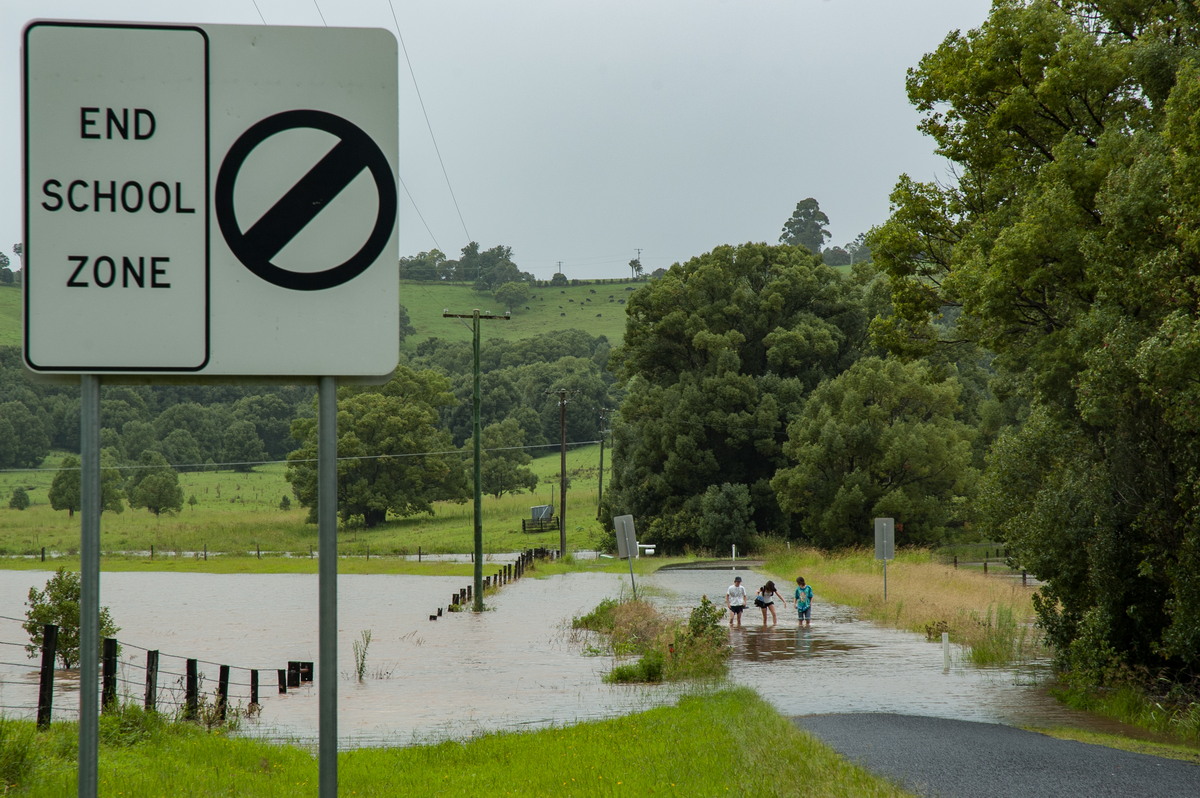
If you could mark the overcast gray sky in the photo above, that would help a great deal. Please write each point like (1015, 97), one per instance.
(582, 131)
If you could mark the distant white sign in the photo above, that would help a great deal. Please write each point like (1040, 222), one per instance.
(885, 539)
(211, 200)
(626, 536)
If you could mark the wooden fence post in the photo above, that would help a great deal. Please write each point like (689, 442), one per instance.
(109, 689)
(151, 680)
(282, 674)
(191, 690)
(253, 688)
(222, 692)
(46, 683)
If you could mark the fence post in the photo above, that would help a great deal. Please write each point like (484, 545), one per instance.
(253, 688)
(191, 690)
(222, 692)
(46, 684)
(151, 680)
(282, 673)
(109, 691)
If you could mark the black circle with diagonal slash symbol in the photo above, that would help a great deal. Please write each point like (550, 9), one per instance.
(354, 152)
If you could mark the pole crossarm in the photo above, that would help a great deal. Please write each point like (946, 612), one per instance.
(476, 436)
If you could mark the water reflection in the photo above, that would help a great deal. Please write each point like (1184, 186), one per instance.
(516, 666)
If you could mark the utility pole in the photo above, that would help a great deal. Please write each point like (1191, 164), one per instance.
(603, 434)
(475, 316)
(562, 477)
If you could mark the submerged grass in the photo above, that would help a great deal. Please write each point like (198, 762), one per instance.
(679, 750)
(993, 617)
(665, 649)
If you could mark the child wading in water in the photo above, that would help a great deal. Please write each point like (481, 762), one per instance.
(765, 600)
(803, 602)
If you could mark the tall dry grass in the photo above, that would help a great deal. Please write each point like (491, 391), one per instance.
(990, 615)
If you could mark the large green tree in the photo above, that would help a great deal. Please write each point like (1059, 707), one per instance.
(882, 439)
(1069, 247)
(65, 493)
(393, 458)
(154, 484)
(23, 439)
(504, 465)
(806, 227)
(719, 354)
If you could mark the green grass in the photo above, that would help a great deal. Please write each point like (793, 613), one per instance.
(683, 750)
(11, 332)
(596, 308)
(239, 513)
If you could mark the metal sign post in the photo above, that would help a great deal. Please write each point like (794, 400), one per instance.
(627, 544)
(89, 597)
(327, 584)
(885, 545)
(209, 201)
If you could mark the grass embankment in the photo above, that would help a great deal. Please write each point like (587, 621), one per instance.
(701, 747)
(238, 513)
(992, 617)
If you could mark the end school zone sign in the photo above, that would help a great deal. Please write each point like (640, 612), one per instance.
(210, 200)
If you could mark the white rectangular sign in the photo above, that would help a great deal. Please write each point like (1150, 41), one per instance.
(210, 200)
(626, 536)
(885, 539)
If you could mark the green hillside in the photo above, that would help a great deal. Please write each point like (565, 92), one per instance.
(596, 308)
(10, 315)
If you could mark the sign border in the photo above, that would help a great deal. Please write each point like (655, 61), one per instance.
(26, 135)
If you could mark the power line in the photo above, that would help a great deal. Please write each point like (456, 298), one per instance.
(428, 124)
(231, 464)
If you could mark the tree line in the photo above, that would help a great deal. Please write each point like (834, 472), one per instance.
(1018, 364)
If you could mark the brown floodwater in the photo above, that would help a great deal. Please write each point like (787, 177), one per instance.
(518, 665)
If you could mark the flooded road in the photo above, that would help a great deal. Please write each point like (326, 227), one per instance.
(518, 665)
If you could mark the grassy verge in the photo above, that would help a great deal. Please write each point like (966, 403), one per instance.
(682, 750)
(1166, 750)
(1174, 717)
(993, 617)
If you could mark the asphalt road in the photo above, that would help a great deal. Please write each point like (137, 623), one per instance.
(963, 759)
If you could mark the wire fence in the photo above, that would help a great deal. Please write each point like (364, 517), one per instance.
(32, 687)
(173, 684)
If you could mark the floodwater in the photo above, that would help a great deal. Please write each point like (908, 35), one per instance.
(518, 665)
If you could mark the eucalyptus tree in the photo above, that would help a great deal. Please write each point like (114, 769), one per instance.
(393, 457)
(719, 353)
(1069, 247)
